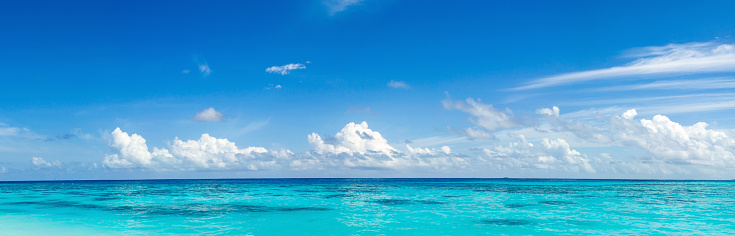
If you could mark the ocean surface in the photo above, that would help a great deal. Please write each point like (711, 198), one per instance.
(367, 207)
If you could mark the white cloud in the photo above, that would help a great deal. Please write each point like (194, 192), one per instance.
(209, 115)
(285, 69)
(711, 83)
(9, 131)
(667, 60)
(550, 154)
(473, 133)
(207, 153)
(353, 139)
(336, 6)
(672, 142)
(630, 114)
(398, 84)
(133, 152)
(483, 115)
(579, 128)
(444, 150)
(204, 69)
(41, 163)
(16, 132)
(357, 146)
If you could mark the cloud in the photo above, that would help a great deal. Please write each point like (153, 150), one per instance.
(357, 146)
(354, 147)
(133, 152)
(483, 115)
(274, 87)
(671, 59)
(665, 141)
(209, 115)
(206, 153)
(41, 163)
(204, 69)
(695, 84)
(16, 132)
(353, 139)
(9, 131)
(550, 154)
(285, 69)
(579, 128)
(674, 143)
(398, 84)
(336, 6)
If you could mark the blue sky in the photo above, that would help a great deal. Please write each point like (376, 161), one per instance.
(361, 88)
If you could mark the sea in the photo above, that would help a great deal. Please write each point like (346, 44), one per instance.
(368, 207)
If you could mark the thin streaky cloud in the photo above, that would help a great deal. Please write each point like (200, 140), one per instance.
(639, 100)
(398, 84)
(672, 59)
(335, 6)
(285, 69)
(204, 69)
(696, 84)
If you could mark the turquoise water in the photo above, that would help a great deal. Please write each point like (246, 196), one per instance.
(367, 207)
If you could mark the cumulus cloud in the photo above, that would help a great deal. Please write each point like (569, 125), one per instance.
(285, 69)
(41, 163)
(483, 115)
(398, 84)
(206, 153)
(357, 146)
(353, 139)
(133, 151)
(671, 59)
(579, 128)
(665, 142)
(336, 6)
(209, 115)
(675, 143)
(550, 154)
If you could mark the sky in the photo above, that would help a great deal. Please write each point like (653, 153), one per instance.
(367, 88)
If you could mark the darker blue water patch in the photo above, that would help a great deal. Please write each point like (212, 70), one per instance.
(57, 204)
(557, 203)
(525, 189)
(330, 196)
(102, 199)
(507, 222)
(11, 211)
(518, 205)
(393, 202)
(430, 202)
(303, 209)
(306, 191)
(197, 210)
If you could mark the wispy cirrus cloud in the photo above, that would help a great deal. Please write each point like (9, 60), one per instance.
(335, 6)
(204, 69)
(695, 84)
(285, 69)
(398, 84)
(672, 59)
